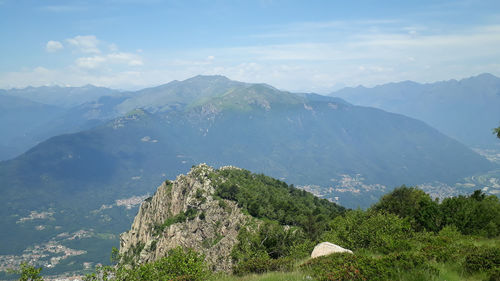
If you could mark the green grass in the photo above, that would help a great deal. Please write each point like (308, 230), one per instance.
(271, 276)
(482, 241)
(453, 272)
(448, 272)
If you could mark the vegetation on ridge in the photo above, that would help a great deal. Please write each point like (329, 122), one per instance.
(405, 236)
(390, 242)
(264, 197)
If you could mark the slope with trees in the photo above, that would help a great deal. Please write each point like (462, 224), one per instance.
(393, 240)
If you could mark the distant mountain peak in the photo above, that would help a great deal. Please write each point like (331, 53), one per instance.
(208, 78)
(483, 77)
(486, 75)
(90, 86)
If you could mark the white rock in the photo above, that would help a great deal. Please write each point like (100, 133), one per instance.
(327, 248)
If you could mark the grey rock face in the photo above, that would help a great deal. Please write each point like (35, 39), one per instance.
(213, 231)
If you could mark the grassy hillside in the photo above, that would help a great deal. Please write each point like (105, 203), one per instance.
(405, 236)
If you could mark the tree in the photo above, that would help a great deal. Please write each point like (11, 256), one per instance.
(115, 255)
(412, 203)
(28, 272)
(378, 231)
(477, 214)
(496, 131)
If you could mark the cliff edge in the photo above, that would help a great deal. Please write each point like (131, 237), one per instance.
(185, 213)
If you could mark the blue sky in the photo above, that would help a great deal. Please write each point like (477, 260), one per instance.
(313, 46)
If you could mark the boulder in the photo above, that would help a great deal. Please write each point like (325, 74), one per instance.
(327, 248)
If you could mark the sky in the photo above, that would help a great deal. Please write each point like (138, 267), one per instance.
(302, 46)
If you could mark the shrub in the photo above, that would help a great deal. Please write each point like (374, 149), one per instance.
(268, 240)
(189, 214)
(27, 272)
(344, 267)
(475, 214)
(414, 204)
(482, 259)
(443, 247)
(494, 274)
(179, 264)
(263, 264)
(354, 267)
(381, 232)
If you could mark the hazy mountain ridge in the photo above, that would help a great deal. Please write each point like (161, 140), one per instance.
(34, 114)
(65, 97)
(303, 139)
(440, 107)
(19, 118)
(466, 109)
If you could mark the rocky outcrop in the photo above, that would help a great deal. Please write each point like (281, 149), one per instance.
(327, 248)
(185, 213)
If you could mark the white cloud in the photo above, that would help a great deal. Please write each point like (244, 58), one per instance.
(113, 48)
(53, 46)
(71, 76)
(107, 60)
(86, 44)
(125, 58)
(90, 62)
(362, 55)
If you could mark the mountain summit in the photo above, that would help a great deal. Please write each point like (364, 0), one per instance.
(178, 94)
(210, 210)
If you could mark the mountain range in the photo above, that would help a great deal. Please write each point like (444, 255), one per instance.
(301, 138)
(31, 115)
(124, 144)
(465, 109)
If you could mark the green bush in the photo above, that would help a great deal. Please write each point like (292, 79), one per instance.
(179, 264)
(267, 240)
(445, 246)
(189, 214)
(482, 259)
(132, 255)
(358, 267)
(27, 272)
(262, 265)
(476, 214)
(381, 232)
(494, 274)
(414, 204)
(344, 267)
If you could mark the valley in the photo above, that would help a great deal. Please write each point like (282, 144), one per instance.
(68, 198)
